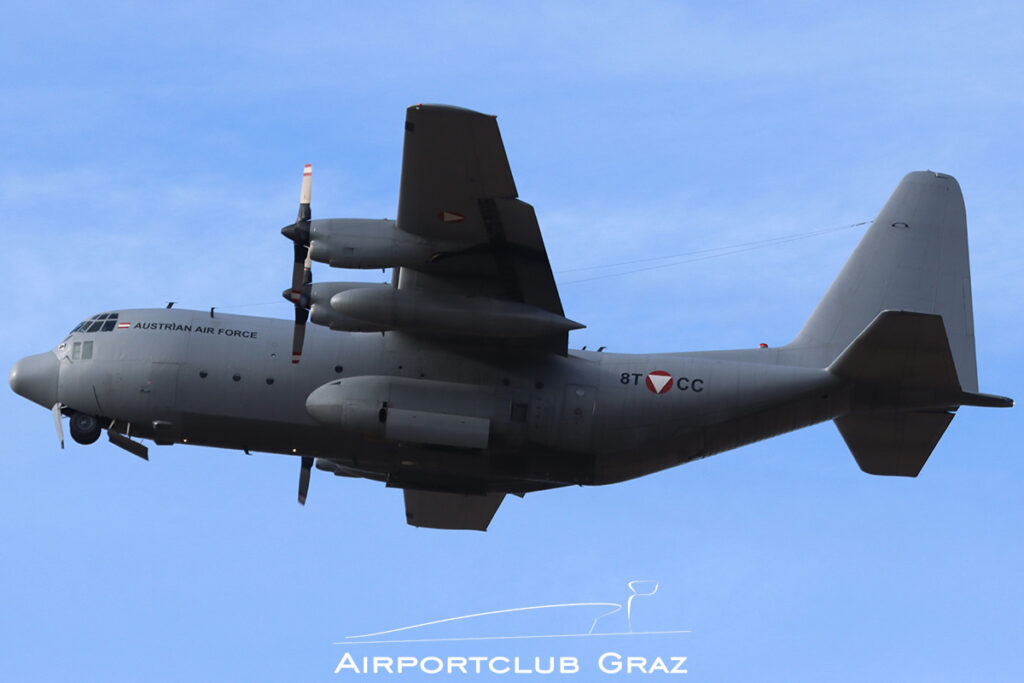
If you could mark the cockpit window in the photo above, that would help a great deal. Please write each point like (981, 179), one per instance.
(104, 322)
(81, 350)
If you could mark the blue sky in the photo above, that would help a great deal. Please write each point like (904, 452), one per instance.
(152, 153)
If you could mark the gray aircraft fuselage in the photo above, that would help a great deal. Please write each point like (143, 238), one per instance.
(180, 376)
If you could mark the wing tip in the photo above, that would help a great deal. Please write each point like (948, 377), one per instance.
(446, 109)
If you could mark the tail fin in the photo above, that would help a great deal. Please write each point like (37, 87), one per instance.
(899, 325)
(913, 258)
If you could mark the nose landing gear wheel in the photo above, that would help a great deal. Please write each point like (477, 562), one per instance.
(85, 429)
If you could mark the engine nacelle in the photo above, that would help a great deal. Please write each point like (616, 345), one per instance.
(405, 410)
(401, 309)
(366, 243)
(321, 313)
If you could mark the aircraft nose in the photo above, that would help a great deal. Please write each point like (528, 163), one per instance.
(35, 378)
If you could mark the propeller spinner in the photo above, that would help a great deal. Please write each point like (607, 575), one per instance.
(302, 276)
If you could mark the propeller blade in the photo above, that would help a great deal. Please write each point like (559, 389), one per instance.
(307, 270)
(307, 465)
(299, 271)
(299, 335)
(57, 423)
(307, 190)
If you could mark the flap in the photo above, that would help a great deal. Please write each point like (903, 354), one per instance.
(450, 510)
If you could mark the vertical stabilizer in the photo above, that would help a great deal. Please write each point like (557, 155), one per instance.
(912, 258)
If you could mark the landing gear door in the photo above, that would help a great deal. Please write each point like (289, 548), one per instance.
(577, 417)
(158, 395)
(158, 391)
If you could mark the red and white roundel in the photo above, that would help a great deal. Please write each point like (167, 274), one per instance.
(659, 381)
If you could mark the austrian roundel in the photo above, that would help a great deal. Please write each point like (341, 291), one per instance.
(659, 381)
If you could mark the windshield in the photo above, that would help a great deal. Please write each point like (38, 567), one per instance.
(104, 322)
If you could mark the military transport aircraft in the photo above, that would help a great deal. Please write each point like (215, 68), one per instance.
(455, 382)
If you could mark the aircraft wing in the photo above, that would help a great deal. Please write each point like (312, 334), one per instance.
(450, 510)
(457, 189)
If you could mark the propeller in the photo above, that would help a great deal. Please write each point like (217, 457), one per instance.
(302, 276)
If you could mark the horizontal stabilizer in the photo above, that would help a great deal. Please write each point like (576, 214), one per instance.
(451, 510)
(900, 348)
(896, 444)
(974, 398)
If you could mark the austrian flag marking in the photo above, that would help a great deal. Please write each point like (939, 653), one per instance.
(123, 326)
(451, 217)
(659, 381)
